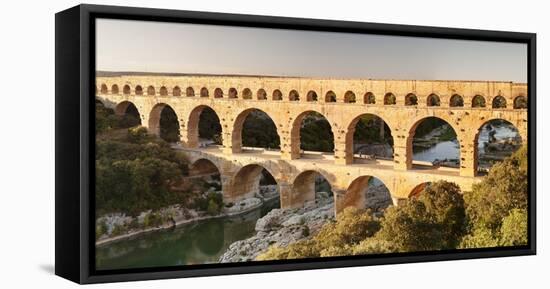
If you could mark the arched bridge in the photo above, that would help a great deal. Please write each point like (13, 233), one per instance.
(465, 105)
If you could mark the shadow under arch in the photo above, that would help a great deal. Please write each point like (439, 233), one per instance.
(194, 127)
(360, 194)
(424, 137)
(242, 127)
(163, 122)
(364, 120)
(130, 113)
(307, 184)
(245, 183)
(203, 166)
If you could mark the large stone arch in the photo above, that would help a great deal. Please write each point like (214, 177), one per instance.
(412, 130)
(295, 141)
(355, 195)
(237, 128)
(155, 115)
(303, 187)
(202, 166)
(122, 107)
(351, 131)
(245, 182)
(480, 127)
(418, 189)
(190, 137)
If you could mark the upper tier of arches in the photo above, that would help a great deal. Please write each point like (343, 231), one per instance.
(436, 94)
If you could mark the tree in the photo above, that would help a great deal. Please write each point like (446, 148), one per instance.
(496, 208)
(504, 189)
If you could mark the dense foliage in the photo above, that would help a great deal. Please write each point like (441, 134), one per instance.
(135, 172)
(372, 129)
(260, 131)
(498, 202)
(493, 214)
(316, 134)
(209, 126)
(169, 125)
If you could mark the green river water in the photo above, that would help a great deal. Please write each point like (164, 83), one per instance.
(198, 243)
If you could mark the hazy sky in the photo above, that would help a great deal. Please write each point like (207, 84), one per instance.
(124, 45)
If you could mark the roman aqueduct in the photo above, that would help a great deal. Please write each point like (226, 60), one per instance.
(465, 105)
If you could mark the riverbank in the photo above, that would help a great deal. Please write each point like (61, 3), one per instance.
(178, 216)
(282, 227)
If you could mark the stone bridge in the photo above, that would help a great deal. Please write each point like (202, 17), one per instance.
(403, 104)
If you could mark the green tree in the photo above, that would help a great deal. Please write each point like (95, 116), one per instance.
(496, 208)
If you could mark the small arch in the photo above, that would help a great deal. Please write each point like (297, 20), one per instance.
(114, 89)
(176, 91)
(456, 101)
(330, 96)
(189, 92)
(311, 96)
(163, 91)
(139, 90)
(293, 95)
(204, 92)
(247, 93)
(233, 93)
(261, 94)
(277, 95)
(150, 90)
(520, 102)
(499, 102)
(369, 98)
(104, 89)
(411, 99)
(389, 99)
(433, 100)
(478, 101)
(126, 89)
(349, 97)
(218, 93)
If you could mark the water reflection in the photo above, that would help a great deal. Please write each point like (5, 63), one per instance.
(199, 243)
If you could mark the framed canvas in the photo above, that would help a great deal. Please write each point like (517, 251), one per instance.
(195, 144)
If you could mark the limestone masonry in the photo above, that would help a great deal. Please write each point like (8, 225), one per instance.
(465, 105)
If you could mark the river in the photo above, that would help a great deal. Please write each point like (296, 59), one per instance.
(197, 243)
(450, 149)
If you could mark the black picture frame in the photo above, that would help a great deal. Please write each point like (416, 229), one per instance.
(74, 198)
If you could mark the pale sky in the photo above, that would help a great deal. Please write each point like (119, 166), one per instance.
(144, 46)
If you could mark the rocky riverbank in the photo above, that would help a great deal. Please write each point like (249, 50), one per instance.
(282, 227)
(120, 226)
